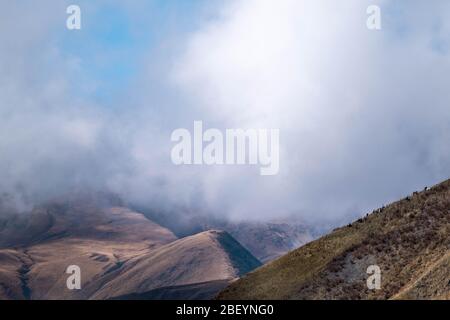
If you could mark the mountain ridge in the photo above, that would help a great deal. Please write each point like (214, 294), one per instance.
(406, 239)
(117, 249)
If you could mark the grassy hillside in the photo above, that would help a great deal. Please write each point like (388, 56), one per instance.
(409, 240)
(99, 240)
(119, 251)
(206, 257)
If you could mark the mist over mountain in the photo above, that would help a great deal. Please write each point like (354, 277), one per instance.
(363, 115)
(87, 177)
(119, 252)
(266, 240)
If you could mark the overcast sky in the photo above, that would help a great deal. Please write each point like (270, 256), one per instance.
(364, 115)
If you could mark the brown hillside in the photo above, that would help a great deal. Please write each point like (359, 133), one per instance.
(409, 240)
(120, 253)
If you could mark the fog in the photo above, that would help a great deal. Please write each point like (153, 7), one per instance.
(363, 114)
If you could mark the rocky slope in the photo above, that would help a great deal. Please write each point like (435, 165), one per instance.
(409, 240)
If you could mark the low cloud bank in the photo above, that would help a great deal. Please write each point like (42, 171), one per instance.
(363, 115)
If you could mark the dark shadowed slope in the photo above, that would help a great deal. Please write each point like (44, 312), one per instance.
(266, 240)
(409, 240)
(269, 240)
(196, 291)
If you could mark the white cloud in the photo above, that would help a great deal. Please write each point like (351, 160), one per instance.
(363, 115)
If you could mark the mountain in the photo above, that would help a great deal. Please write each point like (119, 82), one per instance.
(408, 240)
(119, 251)
(207, 257)
(266, 240)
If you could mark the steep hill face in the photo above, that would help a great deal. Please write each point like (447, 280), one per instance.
(266, 240)
(203, 258)
(409, 240)
(119, 252)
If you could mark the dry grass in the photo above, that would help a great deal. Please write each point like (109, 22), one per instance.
(119, 251)
(406, 239)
